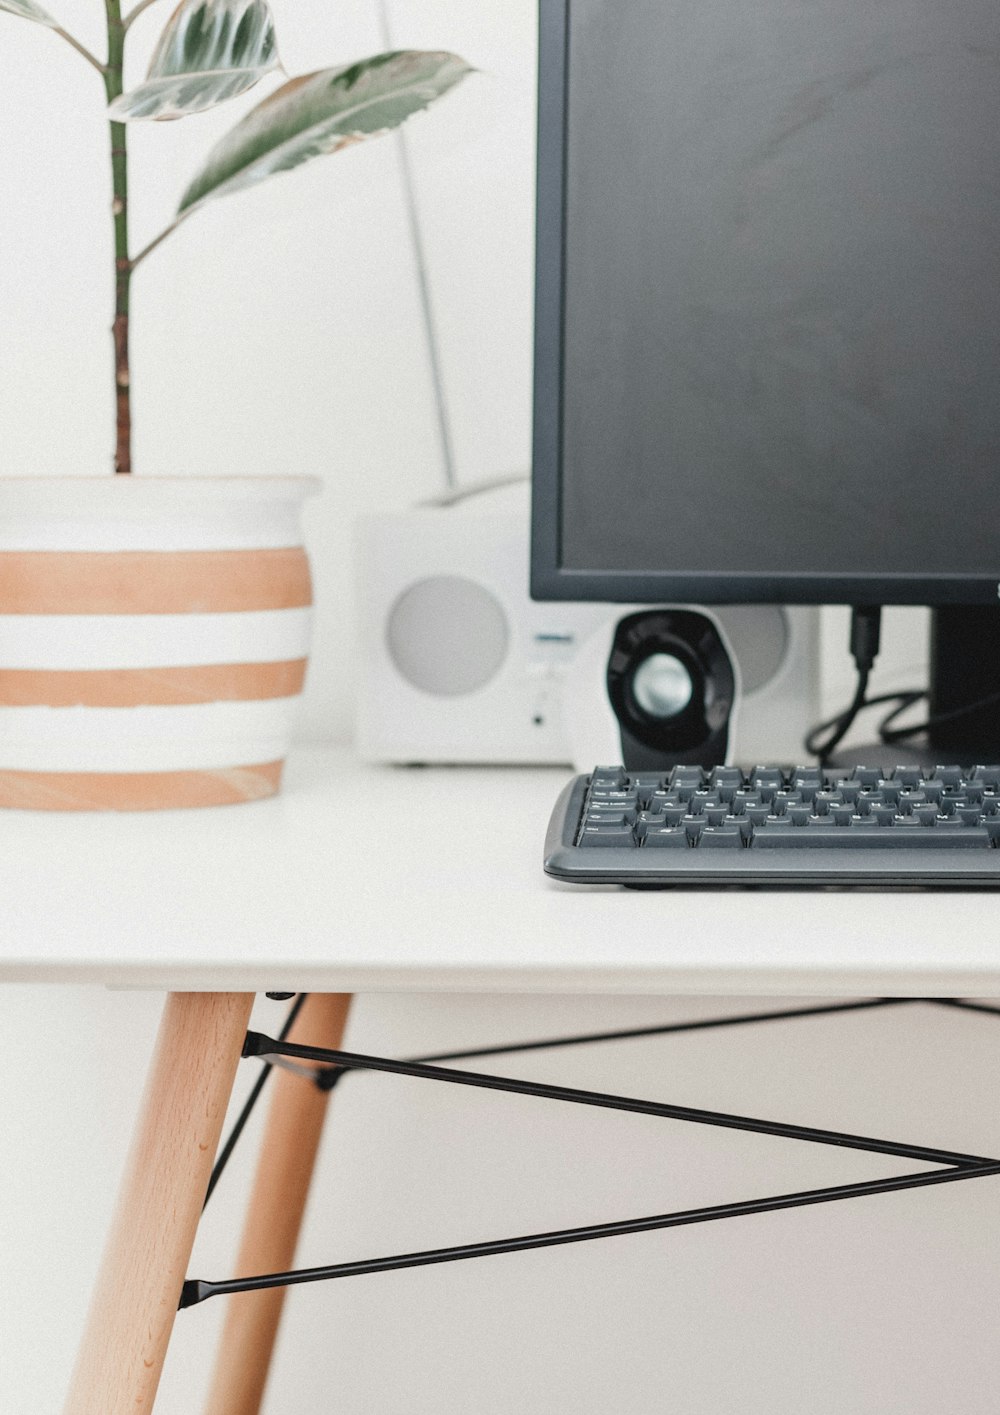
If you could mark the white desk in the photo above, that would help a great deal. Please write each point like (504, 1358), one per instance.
(296, 894)
(291, 894)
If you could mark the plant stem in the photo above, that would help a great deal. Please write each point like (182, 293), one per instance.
(134, 14)
(161, 237)
(113, 83)
(80, 48)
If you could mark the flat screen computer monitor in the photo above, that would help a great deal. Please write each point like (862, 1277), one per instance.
(767, 357)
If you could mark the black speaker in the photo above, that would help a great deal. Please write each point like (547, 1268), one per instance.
(672, 686)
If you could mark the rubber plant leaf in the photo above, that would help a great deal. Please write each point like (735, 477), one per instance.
(321, 113)
(29, 10)
(210, 51)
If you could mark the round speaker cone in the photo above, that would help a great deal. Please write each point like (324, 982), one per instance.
(447, 635)
(662, 686)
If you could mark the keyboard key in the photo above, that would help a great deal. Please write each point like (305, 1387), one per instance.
(667, 837)
(986, 776)
(910, 799)
(772, 778)
(823, 837)
(612, 815)
(866, 775)
(611, 777)
(620, 797)
(948, 775)
(686, 776)
(604, 835)
(720, 837)
(702, 801)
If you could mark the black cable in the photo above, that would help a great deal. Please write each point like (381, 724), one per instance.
(904, 698)
(866, 623)
(839, 726)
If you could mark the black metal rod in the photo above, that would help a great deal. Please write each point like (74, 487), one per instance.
(258, 1045)
(239, 1125)
(329, 1077)
(197, 1290)
(966, 1006)
(702, 1024)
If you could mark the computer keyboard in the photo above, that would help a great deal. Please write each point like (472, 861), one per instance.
(803, 825)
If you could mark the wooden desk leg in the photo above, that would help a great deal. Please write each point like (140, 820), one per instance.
(169, 1165)
(291, 1140)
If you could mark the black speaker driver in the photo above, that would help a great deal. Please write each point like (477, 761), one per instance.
(671, 683)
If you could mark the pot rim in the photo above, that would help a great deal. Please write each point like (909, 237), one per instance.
(268, 484)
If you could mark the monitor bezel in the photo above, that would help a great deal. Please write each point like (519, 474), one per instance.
(550, 578)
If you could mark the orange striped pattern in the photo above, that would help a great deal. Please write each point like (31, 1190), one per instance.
(137, 791)
(153, 581)
(150, 687)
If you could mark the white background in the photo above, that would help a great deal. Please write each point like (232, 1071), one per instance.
(281, 330)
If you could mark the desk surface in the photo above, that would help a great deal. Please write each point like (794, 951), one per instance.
(289, 894)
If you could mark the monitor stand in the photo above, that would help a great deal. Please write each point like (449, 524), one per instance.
(964, 668)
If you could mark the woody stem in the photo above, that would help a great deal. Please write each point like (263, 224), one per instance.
(113, 83)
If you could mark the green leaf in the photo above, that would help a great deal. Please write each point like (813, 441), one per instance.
(323, 112)
(210, 51)
(30, 11)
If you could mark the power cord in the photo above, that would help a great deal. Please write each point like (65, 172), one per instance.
(866, 623)
(865, 633)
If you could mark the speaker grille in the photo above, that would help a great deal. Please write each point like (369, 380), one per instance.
(447, 635)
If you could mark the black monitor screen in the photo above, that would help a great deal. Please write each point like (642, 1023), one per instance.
(768, 339)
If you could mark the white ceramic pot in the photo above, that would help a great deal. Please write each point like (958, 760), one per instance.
(153, 639)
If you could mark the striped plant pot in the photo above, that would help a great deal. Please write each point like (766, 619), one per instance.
(153, 639)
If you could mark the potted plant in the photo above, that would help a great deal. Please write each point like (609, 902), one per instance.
(154, 630)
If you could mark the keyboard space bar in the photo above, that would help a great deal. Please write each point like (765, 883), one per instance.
(885, 838)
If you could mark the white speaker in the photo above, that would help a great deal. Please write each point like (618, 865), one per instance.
(458, 664)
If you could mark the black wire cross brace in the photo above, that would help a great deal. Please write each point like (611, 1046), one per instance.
(952, 1166)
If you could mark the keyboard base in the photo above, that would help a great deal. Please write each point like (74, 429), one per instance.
(806, 868)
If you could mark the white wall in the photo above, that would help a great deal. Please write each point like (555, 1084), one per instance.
(282, 330)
